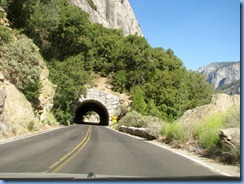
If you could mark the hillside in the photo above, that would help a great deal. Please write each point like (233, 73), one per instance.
(26, 93)
(75, 49)
(56, 41)
(225, 76)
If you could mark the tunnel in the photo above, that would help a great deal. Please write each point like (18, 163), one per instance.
(91, 105)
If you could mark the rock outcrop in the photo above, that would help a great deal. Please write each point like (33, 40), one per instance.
(219, 103)
(17, 115)
(230, 141)
(140, 132)
(15, 111)
(46, 95)
(225, 76)
(116, 14)
(230, 138)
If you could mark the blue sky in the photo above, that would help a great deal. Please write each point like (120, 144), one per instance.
(198, 31)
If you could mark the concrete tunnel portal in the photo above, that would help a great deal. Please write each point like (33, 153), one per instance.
(91, 105)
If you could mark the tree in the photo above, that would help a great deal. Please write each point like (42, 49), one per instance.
(70, 78)
(199, 90)
(119, 81)
(138, 103)
(152, 110)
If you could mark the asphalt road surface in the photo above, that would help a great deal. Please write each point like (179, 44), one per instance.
(85, 148)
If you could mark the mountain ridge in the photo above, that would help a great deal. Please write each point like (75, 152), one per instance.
(224, 76)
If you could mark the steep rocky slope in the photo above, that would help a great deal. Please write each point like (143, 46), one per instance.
(17, 115)
(225, 76)
(111, 14)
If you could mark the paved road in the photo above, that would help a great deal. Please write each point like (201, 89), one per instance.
(84, 149)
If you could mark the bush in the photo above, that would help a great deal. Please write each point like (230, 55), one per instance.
(20, 64)
(5, 35)
(175, 131)
(232, 118)
(207, 132)
(51, 120)
(31, 125)
(134, 119)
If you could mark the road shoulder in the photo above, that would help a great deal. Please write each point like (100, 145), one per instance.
(30, 134)
(224, 169)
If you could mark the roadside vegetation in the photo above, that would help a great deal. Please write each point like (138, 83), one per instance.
(20, 62)
(202, 137)
(75, 49)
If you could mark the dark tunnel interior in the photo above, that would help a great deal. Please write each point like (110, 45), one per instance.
(91, 105)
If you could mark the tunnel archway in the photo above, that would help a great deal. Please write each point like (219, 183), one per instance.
(91, 105)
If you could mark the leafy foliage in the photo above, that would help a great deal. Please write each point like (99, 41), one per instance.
(70, 84)
(135, 119)
(20, 64)
(66, 37)
(5, 35)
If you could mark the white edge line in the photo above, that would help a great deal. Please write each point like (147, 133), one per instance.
(173, 151)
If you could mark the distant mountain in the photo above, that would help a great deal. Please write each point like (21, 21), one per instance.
(225, 76)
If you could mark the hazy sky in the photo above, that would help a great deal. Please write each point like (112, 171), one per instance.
(198, 31)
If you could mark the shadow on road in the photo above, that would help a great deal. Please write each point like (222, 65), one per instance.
(90, 123)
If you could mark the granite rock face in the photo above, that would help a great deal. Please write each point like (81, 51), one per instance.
(46, 98)
(16, 111)
(116, 14)
(219, 103)
(225, 76)
(17, 115)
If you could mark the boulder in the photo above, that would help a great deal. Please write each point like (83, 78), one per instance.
(229, 138)
(141, 132)
(230, 145)
(218, 103)
(16, 110)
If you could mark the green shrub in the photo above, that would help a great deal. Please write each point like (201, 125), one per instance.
(21, 65)
(51, 120)
(5, 35)
(138, 103)
(135, 119)
(174, 131)
(31, 125)
(207, 133)
(63, 116)
(232, 118)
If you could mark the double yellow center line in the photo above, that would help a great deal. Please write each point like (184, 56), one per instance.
(57, 166)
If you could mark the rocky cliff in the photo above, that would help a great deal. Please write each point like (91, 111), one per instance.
(17, 115)
(225, 76)
(111, 14)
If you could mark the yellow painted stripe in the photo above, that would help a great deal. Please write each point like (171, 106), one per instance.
(80, 145)
(70, 158)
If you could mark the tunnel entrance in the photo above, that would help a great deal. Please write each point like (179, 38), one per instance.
(89, 106)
